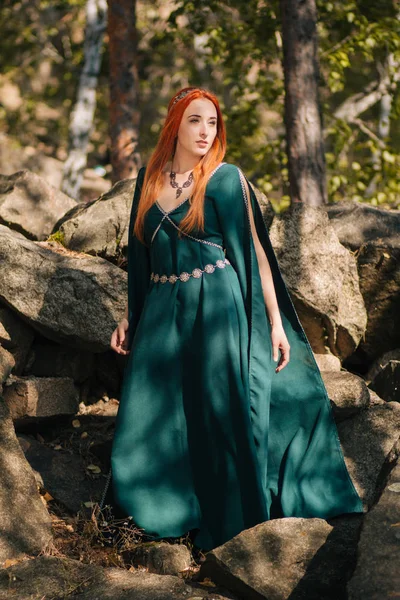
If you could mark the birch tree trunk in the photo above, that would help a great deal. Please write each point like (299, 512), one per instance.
(304, 137)
(82, 115)
(124, 89)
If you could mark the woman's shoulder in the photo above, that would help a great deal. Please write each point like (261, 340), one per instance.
(228, 169)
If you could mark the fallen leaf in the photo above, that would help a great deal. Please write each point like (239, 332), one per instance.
(94, 468)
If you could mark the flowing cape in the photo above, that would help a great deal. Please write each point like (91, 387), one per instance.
(300, 459)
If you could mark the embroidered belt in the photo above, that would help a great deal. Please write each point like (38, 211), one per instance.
(196, 273)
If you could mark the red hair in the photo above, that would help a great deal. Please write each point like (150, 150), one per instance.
(153, 179)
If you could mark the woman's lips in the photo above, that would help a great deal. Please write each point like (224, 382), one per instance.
(203, 143)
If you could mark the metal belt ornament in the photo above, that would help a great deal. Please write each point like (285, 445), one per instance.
(185, 276)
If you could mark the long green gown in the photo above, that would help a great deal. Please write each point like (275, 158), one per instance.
(208, 437)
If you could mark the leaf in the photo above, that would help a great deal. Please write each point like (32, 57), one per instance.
(93, 468)
(395, 487)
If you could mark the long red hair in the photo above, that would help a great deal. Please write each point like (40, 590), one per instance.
(153, 179)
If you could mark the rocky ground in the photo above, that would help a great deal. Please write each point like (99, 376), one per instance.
(63, 288)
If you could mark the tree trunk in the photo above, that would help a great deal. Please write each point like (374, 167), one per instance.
(305, 145)
(82, 115)
(124, 89)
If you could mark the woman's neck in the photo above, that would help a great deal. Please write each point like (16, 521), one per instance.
(182, 165)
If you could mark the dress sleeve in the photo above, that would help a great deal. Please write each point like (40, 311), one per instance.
(138, 265)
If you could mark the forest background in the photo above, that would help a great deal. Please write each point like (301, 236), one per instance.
(234, 48)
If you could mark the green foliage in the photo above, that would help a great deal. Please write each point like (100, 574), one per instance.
(232, 47)
(58, 236)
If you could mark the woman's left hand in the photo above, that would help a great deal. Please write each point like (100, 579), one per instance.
(279, 342)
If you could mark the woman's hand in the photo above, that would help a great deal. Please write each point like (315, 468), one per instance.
(279, 342)
(120, 337)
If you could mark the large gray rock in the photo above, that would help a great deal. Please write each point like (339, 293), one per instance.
(161, 557)
(31, 205)
(69, 298)
(348, 393)
(322, 278)
(41, 396)
(328, 362)
(367, 440)
(356, 223)
(7, 363)
(52, 577)
(25, 525)
(377, 575)
(379, 273)
(16, 336)
(287, 558)
(100, 227)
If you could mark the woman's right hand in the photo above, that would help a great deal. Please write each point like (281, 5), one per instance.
(120, 338)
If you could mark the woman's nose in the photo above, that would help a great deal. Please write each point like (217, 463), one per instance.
(204, 130)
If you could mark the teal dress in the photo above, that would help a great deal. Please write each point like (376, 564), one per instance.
(208, 437)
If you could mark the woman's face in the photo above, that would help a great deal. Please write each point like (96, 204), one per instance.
(199, 124)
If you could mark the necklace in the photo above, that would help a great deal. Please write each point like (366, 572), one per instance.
(175, 184)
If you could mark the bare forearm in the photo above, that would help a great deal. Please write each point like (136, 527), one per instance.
(126, 313)
(269, 293)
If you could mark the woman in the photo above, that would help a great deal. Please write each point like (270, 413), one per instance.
(212, 436)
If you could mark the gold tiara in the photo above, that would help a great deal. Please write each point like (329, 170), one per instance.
(181, 95)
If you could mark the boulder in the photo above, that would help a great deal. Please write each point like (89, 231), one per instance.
(328, 362)
(377, 574)
(7, 363)
(69, 298)
(30, 396)
(161, 557)
(99, 227)
(16, 336)
(379, 273)
(348, 393)
(367, 440)
(31, 205)
(286, 558)
(54, 577)
(357, 223)
(25, 523)
(322, 278)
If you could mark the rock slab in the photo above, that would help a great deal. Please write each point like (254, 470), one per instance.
(41, 396)
(377, 575)
(322, 277)
(25, 525)
(31, 205)
(287, 558)
(73, 299)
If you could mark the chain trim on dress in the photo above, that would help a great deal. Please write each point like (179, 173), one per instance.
(166, 216)
(185, 276)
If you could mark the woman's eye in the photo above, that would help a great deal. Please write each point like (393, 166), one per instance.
(196, 121)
